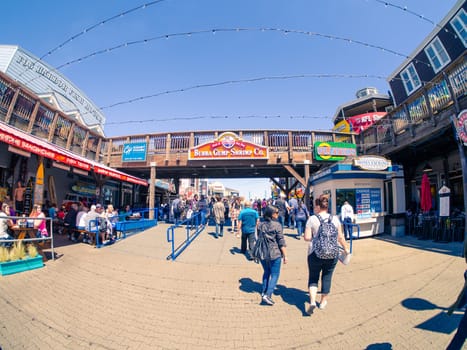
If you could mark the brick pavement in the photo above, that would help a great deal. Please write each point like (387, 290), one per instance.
(393, 295)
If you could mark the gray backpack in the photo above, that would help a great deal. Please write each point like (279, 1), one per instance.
(325, 244)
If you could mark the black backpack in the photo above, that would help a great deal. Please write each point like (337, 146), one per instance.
(325, 243)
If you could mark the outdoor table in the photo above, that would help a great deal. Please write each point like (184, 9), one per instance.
(23, 232)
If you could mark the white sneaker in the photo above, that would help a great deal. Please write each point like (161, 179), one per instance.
(322, 305)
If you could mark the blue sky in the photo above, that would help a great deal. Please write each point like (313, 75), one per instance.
(215, 56)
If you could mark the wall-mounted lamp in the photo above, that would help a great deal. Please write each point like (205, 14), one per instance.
(427, 168)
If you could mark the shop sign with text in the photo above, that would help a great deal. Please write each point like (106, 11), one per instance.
(362, 122)
(134, 152)
(42, 151)
(372, 163)
(342, 126)
(334, 151)
(228, 146)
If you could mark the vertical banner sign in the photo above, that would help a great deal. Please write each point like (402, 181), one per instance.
(444, 196)
(39, 186)
(462, 126)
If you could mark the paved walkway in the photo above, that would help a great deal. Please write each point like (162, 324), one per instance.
(393, 295)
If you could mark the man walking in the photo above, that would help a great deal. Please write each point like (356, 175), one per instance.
(283, 207)
(248, 220)
(218, 210)
(347, 217)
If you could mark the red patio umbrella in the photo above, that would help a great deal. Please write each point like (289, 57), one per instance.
(425, 194)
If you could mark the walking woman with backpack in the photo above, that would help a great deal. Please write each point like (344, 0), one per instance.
(324, 232)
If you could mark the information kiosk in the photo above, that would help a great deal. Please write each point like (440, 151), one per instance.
(372, 185)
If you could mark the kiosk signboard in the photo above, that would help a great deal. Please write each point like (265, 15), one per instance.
(368, 201)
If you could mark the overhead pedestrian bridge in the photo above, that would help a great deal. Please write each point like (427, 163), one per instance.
(230, 153)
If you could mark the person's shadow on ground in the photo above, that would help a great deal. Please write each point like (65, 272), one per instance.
(441, 323)
(291, 296)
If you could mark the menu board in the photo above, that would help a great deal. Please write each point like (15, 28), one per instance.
(368, 201)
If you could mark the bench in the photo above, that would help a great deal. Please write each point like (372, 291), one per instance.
(82, 233)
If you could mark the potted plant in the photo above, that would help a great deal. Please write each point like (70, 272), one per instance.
(19, 258)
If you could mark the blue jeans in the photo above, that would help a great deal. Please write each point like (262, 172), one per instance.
(323, 266)
(281, 220)
(348, 230)
(301, 223)
(219, 229)
(272, 269)
(6, 244)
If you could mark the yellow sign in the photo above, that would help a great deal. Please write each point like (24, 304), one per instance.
(228, 146)
(40, 174)
(342, 126)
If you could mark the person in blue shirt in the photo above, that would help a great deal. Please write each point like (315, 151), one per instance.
(248, 220)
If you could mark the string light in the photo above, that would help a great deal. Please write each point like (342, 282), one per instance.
(87, 30)
(94, 26)
(384, 122)
(236, 30)
(405, 9)
(169, 119)
(285, 77)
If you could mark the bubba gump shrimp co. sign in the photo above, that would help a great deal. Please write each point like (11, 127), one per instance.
(228, 146)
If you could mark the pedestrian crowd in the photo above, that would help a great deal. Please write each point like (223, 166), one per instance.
(264, 220)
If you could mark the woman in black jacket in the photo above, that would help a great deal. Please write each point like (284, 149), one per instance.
(272, 230)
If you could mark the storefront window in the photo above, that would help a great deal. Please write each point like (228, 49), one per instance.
(343, 195)
(364, 201)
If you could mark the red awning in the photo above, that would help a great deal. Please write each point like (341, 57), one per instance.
(33, 144)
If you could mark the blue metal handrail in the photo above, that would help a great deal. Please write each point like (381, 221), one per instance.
(124, 224)
(193, 223)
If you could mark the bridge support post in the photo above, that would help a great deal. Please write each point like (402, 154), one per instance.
(152, 190)
(307, 184)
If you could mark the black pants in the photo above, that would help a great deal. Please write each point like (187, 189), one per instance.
(250, 237)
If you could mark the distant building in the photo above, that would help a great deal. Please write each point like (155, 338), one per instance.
(359, 114)
(50, 85)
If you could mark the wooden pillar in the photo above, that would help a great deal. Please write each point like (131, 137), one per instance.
(307, 186)
(152, 190)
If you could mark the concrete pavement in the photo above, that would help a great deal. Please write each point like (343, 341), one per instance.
(393, 295)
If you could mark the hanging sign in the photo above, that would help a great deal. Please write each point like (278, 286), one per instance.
(228, 146)
(444, 195)
(462, 126)
(39, 185)
(362, 122)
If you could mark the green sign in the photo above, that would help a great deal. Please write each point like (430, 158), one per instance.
(334, 151)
